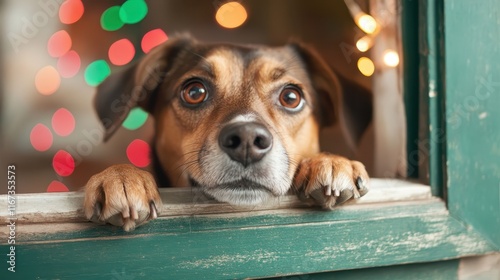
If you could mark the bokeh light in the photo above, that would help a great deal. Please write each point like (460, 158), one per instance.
(71, 11)
(41, 138)
(69, 64)
(135, 119)
(59, 43)
(366, 23)
(63, 163)
(152, 39)
(364, 43)
(97, 72)
(133, 11)
(121, 52)
(56, 186)
(63, 122)
(110, 19)
(47, 80)
(366, 66)
(391, 58)
(231, 15)
(138, 152)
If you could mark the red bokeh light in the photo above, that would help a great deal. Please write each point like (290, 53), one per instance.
(63, 163)
(59, 43)
(121, 52)
(71, 11)
(56, 186)
(41, 138)
(152, 39)
(138, 153)
(69, 64)
(63, 122)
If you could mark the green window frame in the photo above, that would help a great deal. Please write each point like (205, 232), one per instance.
(456, 43)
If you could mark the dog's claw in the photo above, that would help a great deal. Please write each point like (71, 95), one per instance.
(96, 214)
(134, 197)
(328, 190)
(344, 196)
(360, 185)
(337, 193)
(331, 180)
(153, 211)
(134, 215)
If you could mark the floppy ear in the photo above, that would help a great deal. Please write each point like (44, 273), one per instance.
(135, 86)
(339, 99)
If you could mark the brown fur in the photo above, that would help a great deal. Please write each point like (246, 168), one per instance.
(241, 80)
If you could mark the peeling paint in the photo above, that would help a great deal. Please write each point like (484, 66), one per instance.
(260, 256)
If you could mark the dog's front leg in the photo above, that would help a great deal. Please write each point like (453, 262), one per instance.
(122, 195)
(330, 180)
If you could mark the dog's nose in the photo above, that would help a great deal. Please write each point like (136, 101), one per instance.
(245, 143)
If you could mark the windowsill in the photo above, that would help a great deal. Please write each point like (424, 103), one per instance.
(66, 207)
(396, 222)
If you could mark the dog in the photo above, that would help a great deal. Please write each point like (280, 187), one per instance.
(241, 122)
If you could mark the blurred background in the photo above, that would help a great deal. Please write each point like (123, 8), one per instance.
(54, 52)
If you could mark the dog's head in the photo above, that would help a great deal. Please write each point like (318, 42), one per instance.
(235, 120)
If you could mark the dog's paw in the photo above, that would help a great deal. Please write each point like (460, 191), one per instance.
(330, 180)
(122, 195)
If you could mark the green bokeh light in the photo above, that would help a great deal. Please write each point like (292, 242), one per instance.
(96, 72)
(135, 119)
(133, 11)
(110, 19)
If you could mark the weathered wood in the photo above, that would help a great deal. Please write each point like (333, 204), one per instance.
(472, 57)
(64, 207)
(206, 247)
(207, 244)
(445, 270)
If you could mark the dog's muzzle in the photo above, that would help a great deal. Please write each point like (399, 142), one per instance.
(245, 165)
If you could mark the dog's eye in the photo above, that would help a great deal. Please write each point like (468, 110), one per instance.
(291, 98)
(194, 93)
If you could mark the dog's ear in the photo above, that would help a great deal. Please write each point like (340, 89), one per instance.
(135, 86)
(339, 99)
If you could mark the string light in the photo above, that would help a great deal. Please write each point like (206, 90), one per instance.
(47, 80)
(69, 64)
(231, 15)
(121, 52)
(391, 58)
(59, 43)
(97, 72)
(71, 11)
(133, 11)
(366, 23)
(364, 43)
(366, 66)
(138, 153)
(110, 19)
(63, 122)
(135, 119)
(56, 186)
(363, 20)
(63, 163)
(152, 39)
(371, 27)
(41, 138)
